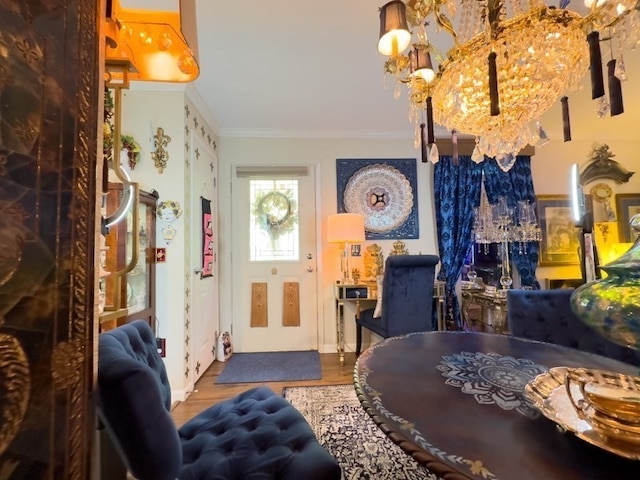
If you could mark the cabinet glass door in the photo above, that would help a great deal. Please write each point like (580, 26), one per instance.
(137, 279)
(140, 281)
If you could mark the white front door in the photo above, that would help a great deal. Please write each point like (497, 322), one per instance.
(274, 259)
(203, 285)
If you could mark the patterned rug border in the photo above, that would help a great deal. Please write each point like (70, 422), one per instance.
(343, 427)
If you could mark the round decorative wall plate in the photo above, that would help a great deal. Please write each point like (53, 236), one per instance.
(601, 192)
(382, 194)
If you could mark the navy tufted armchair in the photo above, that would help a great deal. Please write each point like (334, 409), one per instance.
(407, 298)
(546, 315)
(256, 435)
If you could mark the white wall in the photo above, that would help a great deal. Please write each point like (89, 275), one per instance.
(147, 106)
(323, 153)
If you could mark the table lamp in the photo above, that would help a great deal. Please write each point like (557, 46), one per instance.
(345, 228)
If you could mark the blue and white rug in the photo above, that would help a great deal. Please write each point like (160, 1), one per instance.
(342, 426)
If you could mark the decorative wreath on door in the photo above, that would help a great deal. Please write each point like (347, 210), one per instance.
(275, 212)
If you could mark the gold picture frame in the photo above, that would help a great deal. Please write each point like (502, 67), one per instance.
(560, 235)
(627, 205)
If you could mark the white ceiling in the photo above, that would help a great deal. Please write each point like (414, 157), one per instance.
(311, 69)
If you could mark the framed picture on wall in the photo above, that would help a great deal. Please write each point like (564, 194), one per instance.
(627, 205)
(384, 191)
(560, 236)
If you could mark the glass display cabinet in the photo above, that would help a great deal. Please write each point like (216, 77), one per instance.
(130, 259)
(140, 281)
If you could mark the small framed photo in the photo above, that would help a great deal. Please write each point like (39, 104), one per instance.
(355, 250)
(560, 236)
(627, 205)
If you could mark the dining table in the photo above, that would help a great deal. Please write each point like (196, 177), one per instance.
(455, 401)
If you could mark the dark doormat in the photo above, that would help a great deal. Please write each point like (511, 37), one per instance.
(271, 367)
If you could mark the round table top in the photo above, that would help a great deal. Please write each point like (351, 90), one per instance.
(455, 402)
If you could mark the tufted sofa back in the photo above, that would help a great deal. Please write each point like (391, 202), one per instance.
(546, 315)
(256, 435)
(134, 398)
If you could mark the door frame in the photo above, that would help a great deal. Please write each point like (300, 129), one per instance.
(195, 235)
(226, 320)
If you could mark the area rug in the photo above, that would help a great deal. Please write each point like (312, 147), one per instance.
(348, 433)
(271, 367)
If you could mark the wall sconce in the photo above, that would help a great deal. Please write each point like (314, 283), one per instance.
(345, 228)
(160, 155)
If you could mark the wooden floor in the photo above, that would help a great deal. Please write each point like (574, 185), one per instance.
(208, 393)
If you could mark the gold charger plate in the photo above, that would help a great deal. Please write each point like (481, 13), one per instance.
(548, 394)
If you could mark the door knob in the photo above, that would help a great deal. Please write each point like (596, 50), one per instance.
(309, 269)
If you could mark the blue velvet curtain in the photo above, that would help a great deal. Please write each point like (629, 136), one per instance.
(456, 191)
(515, 185)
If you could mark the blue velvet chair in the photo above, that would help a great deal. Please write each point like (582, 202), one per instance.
(546, 315)
(407, 298)
(255, 435)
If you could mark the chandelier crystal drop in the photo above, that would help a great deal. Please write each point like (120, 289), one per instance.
(529, 84)
(510, 62)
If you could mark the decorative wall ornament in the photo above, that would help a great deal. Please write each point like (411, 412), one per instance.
(384, 192)
(160, 155)
(169, 210)
(373, 261)
(602, 166)
(168, 234)
(399, 248)
(602, 193)
(207, 239)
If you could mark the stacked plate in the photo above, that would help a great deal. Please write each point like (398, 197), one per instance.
(598, 406)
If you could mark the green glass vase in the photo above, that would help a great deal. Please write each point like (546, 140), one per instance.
(611, 305)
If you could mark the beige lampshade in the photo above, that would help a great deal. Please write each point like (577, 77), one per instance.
(394, 32)
(420, 63)
(345, 227)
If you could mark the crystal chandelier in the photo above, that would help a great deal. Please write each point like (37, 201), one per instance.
(508, 65)
(504, 225)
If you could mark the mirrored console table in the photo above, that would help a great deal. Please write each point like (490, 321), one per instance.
(484, 310)
(358, 294)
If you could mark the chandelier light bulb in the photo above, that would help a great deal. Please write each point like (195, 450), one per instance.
(145, 36)
(590, 3)
(186, 63)
(164, 41)
(426, 73)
